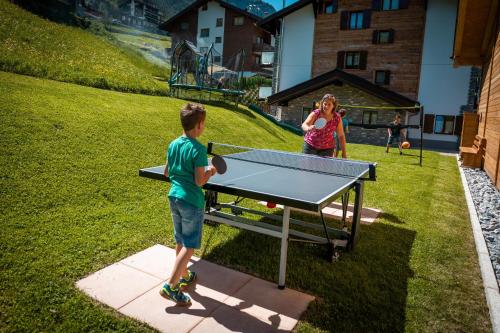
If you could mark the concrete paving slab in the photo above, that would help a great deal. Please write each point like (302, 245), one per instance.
(118, 284)
(223, 300)
(157, 260)
(222, 321)
(261, 299)
(165, 316)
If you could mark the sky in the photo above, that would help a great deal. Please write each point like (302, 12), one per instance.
(278, 4)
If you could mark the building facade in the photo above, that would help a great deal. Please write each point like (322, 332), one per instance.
(404, 46)
(228, 28)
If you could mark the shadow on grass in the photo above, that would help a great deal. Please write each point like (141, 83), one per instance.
(365, 290)
(391, 218)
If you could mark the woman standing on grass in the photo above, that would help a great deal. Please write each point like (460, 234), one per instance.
(320, 141)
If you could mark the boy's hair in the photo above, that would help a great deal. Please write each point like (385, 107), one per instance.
(191, 115)
(342, 112)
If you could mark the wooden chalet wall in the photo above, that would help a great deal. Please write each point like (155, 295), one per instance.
(402, 57)
(241, 37)
(489, 111)
(178, 35)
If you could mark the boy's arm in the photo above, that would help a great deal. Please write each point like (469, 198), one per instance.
(165, 172)
(203, 174)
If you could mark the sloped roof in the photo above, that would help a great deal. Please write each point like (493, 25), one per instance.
(197, 4)
(331, 77)
(271, 23)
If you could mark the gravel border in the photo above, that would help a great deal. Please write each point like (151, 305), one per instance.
(479, 184)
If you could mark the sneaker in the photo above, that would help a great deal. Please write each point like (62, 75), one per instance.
(400, 153)
(175, 295)
(186, 282)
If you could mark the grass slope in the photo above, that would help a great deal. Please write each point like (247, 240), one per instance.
(33, 46)
(72, 203)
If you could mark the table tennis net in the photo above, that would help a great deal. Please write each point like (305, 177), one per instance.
(311, 163)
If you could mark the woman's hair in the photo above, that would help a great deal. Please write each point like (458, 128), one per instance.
(342, 112)
(191, 115)
(330, 97)
(398, 116)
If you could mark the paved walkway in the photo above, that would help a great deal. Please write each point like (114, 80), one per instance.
(224, 300)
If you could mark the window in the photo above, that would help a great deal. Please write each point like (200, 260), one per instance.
(219, 22)
(238, 20)
(204, 7)
(370, 117)
(257, 60)
(390, 4)
(217, 59)
(267, 58)
(184, 26)
(352, 60)
(328, 7)
(205, 32)
(382, 77)
(218, 40)
(383, 36)
(356, 20)
(444, 124)
(306, 110)
(258, 40)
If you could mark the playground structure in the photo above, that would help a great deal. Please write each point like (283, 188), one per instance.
(200, 75)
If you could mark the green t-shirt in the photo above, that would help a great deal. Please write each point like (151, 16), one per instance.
(184, 155)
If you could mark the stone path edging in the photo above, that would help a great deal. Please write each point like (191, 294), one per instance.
(490, 284)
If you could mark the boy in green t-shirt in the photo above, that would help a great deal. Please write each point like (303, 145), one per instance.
(187, 168)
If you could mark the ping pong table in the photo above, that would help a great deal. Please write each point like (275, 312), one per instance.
(293, 180)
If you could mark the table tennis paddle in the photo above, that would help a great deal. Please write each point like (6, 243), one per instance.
(320, 123)
(219, 164)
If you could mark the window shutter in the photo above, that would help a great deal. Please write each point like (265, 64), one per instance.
(367, 15)
(387, 78)
(458, 125)
(375, 37)
(391, 35)
(376, 5)
(429, 123)
(344, 20)
(362, 59)
(340, 59)
(403, 4)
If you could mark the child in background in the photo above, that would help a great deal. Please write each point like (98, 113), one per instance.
(187, 167)
(345, 124)
(394, 130)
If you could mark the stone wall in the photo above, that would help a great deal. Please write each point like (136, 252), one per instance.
(346, 95)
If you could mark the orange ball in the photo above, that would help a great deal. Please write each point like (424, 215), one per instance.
(405, 145)
(271, 205)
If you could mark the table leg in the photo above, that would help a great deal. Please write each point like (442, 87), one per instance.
(284, 246)
(356, 214)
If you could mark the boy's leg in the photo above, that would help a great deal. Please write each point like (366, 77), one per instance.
(178, 249)
(180, 266)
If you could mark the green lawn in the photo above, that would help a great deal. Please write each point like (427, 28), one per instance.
(72, 203)
(34, 46)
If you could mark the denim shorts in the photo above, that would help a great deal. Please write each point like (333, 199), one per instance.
(188, 221)
(308, 149)
(396, 138)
